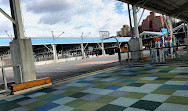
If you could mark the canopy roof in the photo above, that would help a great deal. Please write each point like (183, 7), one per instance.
(174, 8)
(4, 41)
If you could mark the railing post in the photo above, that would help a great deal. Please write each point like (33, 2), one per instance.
(4, 78)
(21, 75)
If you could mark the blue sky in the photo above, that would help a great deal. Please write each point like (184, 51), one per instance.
(119, 8)
(70, 16)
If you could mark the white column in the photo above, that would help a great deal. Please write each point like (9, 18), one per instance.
(103, 50)
(83, 52)
(54, 52)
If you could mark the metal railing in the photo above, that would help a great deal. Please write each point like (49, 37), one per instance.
(152, 51)
(5, 83)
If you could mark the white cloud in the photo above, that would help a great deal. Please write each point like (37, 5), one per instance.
(71, 16)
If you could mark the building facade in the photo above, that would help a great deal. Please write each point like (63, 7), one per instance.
(153, 23)
(125, 31)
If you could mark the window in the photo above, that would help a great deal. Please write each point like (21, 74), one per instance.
(150, 24)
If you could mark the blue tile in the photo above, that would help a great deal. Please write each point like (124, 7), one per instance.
(46, 107)
(185, 87)
(113, 87)
(2, 101)
(87, 82)
(53, 98)
(62, 108)
(166, 86)
(129, 80)
(27, 94)
(153, 76)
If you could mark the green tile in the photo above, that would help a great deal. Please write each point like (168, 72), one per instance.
(45, 96)
(146, 105)
(54, 86)
(135, 95)
(111, 107)
(76, 103)
(31, 110)
(158, 81)
(47, 90)
(78, 110)
(36, 104)
(136, 84)
(105, 99)
(143, 81)
(122, 84)
(21, 99)
(68, 93)
(164, 91)
(177, 100)
(77, 89)
(108, 83)
(8, 106)
(98, 79)
(78, 95)
(91, 106)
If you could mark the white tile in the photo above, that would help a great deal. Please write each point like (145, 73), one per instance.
(126, 102)
(183, 93)
(172, 107)
(176, 82)
(156, 97)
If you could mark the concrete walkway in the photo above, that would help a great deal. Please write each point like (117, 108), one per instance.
(142, 87)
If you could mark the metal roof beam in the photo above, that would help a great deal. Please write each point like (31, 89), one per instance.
(181, 9)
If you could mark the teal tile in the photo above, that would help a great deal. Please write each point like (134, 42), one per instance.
(98, 91)
(62, 108)
(125, 102)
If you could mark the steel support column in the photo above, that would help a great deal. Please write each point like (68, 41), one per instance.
(136, 32)
(21, 48)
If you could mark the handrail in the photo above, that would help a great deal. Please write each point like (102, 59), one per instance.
(6, 89)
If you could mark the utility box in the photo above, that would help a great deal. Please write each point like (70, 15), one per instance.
(186, 43)
(136, 47)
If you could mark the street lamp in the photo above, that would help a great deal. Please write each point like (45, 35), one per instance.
(118, 45)
(54, 46)
(82, 45)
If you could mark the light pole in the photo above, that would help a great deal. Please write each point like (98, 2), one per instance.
(82, 45)
(54, 46)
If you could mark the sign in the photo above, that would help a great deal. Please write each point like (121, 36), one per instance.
(104, 34)
(164, 31)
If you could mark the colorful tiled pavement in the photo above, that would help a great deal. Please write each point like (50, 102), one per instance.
(142, 87)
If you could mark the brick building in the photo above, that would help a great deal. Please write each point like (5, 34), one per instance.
(153, 23)
(125, 31)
